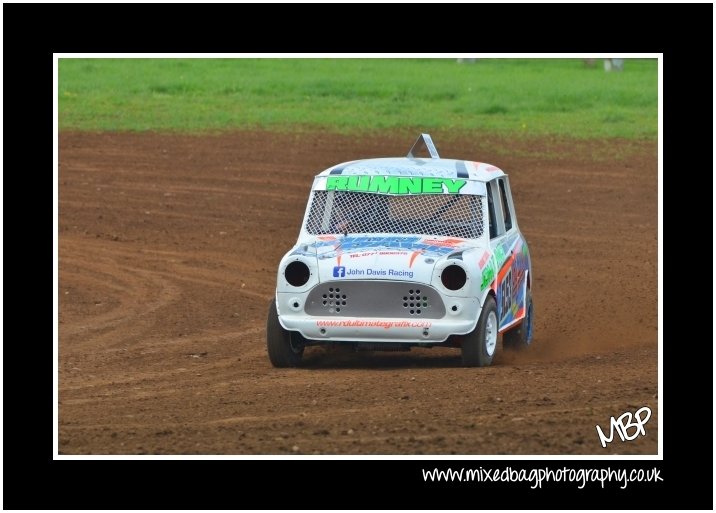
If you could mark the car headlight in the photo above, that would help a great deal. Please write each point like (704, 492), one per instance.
(297, 273)
(453, 277)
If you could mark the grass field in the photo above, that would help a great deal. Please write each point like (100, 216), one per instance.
(513, 96)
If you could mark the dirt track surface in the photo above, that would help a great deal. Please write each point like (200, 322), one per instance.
(168, 248)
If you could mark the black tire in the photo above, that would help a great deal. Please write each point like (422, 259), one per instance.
(284, 347)
(520, 337)
(480, 346)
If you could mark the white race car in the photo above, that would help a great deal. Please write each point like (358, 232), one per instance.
(402, 252)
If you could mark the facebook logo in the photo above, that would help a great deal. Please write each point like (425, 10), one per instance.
(339, 271)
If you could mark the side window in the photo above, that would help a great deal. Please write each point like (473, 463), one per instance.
(505, 206)
(491, 212)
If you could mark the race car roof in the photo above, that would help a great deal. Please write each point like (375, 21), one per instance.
(417, 167)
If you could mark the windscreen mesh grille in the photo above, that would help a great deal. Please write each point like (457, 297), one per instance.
(444, 215)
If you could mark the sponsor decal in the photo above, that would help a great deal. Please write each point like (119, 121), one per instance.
(378, 253)
(450, 243)
(342, 272)
(511, 285)
(368, 245)
(398, 273)
(360, 323)
(488, 275)
(395, 184)
(499, 255)
(429, 247)
(483, 260)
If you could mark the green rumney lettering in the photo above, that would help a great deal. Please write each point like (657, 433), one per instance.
(384, 184)
(358, 183)
(336, 183)
(394, 184)
(454, 186)
(410, 186)
(432, 185)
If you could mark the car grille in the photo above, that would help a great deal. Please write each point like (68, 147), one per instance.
(392, 299)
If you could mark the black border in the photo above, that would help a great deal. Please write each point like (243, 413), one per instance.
(31, 35)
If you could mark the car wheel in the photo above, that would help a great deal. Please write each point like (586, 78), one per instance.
(480, 346)
(284, 347)
(521, 336)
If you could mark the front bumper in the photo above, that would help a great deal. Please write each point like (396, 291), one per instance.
(460, 318)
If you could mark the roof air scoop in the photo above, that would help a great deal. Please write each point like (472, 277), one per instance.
(424, 141)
